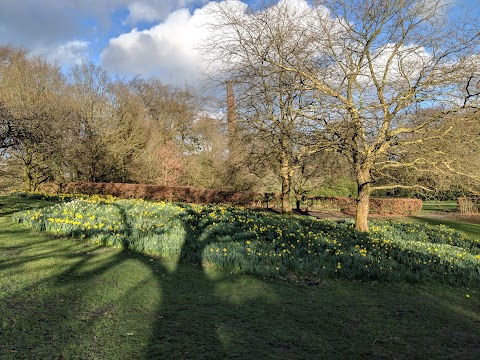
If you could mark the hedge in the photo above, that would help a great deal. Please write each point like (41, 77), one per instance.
(347, 205)
(378, 206)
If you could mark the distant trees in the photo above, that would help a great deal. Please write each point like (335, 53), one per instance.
(32, 94)
(271, 101)
(186, 146)
(85, 125)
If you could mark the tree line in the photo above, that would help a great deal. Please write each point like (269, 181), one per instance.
(85, 125)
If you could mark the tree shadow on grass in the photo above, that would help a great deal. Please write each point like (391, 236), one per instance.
(61, 311)
(12, 204)
(245, 317)
(186, 325)
(106, 303)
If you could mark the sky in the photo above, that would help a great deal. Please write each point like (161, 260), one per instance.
(149, 38)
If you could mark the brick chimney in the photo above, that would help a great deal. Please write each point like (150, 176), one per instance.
(231, 116)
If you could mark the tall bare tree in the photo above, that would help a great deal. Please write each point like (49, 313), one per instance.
(126, 134)
(376, 65)
(33, 116)
(89, 89)
(270, 100)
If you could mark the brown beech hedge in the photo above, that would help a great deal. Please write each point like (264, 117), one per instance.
(378, 206)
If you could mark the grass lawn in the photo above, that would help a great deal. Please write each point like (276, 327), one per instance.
(470, 227)
(68, 299)
(442, 212)
(447, 206)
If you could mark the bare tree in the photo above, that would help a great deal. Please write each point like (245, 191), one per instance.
(171, 109)
(126, 134)
(376, 65)
(33, 116)
(454, 161)
(89, 89)
(110, 127)
(270, 100)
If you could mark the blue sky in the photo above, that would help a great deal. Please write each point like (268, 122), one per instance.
(125, 37)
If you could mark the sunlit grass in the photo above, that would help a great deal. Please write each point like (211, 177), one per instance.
(467, 228)
(446, 206)
(63, 298)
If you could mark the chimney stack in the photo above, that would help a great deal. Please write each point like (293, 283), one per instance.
(231, 116)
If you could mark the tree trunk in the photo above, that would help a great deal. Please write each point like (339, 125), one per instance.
(286, 186)
(363, 201)
(28, 179)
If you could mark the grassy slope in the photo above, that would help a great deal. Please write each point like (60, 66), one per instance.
(469, 226)
(439, 205)
(65, 299)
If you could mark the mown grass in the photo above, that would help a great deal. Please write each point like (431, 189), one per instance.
(71, 299)
(445, 206)
(468, 228)
(465, 224)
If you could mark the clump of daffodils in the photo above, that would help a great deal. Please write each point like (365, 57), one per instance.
(268, 245)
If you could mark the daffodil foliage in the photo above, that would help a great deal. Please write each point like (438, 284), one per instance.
(265, 244)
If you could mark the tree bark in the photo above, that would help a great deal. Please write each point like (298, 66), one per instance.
(363, 200)
(286, 186)
(28, 179)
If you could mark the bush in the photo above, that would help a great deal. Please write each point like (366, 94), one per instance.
(468, 205)
(378, 206)
(161, 193)
(395, 206)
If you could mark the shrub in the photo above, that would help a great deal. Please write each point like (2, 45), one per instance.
(378, 206)
(395, 206)
(468, 205)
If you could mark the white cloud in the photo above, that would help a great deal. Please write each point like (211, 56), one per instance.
(67, 54)
(168, 50)
(39, 24)
(155, 10)
(141, 11)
